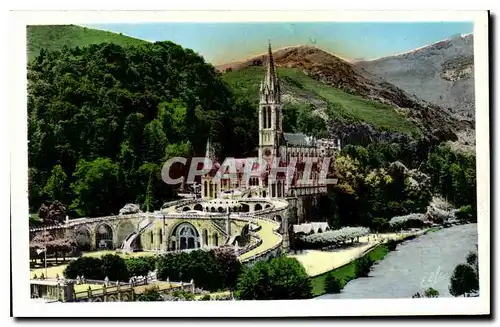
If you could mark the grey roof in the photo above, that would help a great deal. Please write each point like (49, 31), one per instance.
(298, 139)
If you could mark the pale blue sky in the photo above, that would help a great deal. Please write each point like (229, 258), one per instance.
(225, 42)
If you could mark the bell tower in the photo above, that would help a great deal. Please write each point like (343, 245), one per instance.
(270, 111)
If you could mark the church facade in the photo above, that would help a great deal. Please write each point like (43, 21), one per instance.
(291, 148)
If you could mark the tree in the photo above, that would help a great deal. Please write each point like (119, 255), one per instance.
(228, 265)
(110, 265)
(52, 213)
(140, 266)
(114, 267)
(56, 185)
(94, 184)
(277, 279)
(207, 269)
(155, 142)
(148, 202)
(464, 281)
(380, 224)
(88, 267)
(56, 247)
(126, 104)
(429, 293)
(149, 295)
(363, 266)
(473, 261)
(332, 284)
(466, 213)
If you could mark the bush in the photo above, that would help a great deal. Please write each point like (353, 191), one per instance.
(114, 267)
(438, 216)
(140, 266)
(380, 224)
(464, 281)
(277, 279)
(363, 266)
(391, 245)
(209, 270)
(205, 297)
(90, 268)
(110, 265)
(150, 294)
(466, 213)
(183, 295)
(407, 221)
(228, 266)
(429, 293)
(332, 284)
(335, 237)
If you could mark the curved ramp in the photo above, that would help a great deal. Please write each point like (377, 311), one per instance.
(270, 239)
(129, 240)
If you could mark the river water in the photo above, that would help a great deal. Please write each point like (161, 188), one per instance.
(427, 261)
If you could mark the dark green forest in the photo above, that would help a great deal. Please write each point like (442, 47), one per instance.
(104, 118)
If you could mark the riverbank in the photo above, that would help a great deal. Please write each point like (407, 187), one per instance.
(427, 261)
(317, 262)
(342, 263)
(346, 272)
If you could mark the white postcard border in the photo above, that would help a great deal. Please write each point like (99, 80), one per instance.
(23, 307)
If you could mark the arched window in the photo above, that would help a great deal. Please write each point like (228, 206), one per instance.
(187, 236)
(104, 237)
(264, 117)
(269, 117)
(205, 237)
(216, 239)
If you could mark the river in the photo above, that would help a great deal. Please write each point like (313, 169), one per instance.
(427, 261)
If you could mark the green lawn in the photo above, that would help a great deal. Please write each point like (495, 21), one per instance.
(245, 83)
(433, 229)
(54, 37)
(347, 272)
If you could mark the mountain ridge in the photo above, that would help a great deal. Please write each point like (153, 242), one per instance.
(441, 73)
(54, 37)
(340, 74)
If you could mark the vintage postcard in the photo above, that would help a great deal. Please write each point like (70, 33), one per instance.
(183, 164)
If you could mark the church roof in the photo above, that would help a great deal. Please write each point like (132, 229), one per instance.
(298, 139)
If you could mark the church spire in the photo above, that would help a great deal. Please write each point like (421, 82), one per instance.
(270, 86)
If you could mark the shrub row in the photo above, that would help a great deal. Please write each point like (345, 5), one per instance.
(335, 237)
(210, 270)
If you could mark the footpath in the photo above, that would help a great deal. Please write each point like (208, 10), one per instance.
(317, 262)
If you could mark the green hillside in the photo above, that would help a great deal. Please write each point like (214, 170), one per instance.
(54, 37)
(310, 92)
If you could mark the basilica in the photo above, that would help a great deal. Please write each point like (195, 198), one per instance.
(273, 143)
